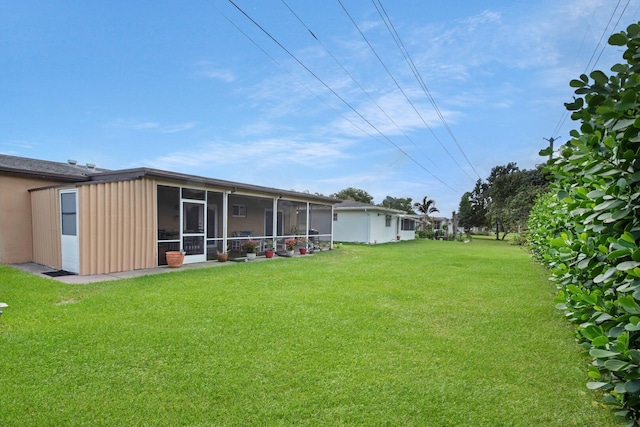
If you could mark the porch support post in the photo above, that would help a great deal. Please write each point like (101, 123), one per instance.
(274, 223)
(308, 214)
(331, 239)
(225, 219)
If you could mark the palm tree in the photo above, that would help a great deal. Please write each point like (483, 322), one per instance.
(428, 206)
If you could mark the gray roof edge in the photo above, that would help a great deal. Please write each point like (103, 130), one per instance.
(46, 168)
(178, 176)
(68, 172)
(349, 205)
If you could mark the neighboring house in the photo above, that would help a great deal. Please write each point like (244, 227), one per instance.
(364, 223)
(94, 221)
(441, 226)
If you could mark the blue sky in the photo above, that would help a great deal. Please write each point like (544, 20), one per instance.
(197, 87)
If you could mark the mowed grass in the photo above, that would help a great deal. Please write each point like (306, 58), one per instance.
(423, 333)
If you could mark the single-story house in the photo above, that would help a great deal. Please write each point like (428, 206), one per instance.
(441, 226)
(88, 220)
(364, 223)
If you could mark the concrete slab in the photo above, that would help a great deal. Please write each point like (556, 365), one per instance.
(39, 270)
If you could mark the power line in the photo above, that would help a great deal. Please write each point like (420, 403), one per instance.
(616, 24)
(338, 96)
(402, 90)
(289, 73)
(405, 53)
(565, 114)
(355, 80)
(604, 32)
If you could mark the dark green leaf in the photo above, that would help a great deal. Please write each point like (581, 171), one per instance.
(602, 354)
(615, 365)
(632, 386)
(599, 77)
(594, 385)
(618, 39)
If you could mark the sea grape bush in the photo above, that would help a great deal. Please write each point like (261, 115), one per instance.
(587, 229)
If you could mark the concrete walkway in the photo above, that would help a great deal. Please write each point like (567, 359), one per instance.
(39, 270)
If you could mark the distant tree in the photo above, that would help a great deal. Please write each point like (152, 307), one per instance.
(354, 194)
(511, 194)
(427, 207)
(472, 211)
(465, 212)
(401, 204)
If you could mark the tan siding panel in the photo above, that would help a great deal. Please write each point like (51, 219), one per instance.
(16, 239)
(117, 226)
(46, 228)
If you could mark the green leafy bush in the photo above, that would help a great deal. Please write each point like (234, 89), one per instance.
(426, 234)
(587, 229)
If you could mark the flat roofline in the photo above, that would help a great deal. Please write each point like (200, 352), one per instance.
(137, 173)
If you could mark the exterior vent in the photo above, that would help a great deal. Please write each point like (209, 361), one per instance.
(91, 166)
(72, 162)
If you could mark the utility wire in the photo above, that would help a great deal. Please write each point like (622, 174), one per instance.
(291, 74)
(614, 27)
(405, 53)
(421, 166)
(401, 90)
(356, 81)
(604, 32)
(566, 113)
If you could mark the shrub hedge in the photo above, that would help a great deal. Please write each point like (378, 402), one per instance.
(587, 229)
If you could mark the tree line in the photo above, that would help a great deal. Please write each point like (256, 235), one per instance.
(503, 201)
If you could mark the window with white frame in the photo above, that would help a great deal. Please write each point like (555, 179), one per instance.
(335, 216)
(408, 224)
(239, 211)
(387, 220)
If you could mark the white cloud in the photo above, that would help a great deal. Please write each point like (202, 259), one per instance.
(18, 144)
(181, 127)
(148, 125)
(208, 70)
(258, 155)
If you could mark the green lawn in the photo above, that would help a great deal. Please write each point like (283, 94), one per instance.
(424, 333)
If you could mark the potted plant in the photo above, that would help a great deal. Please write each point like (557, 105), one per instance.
(291, 244)
(305, 243)
(268, 249)
(175, 258)
(223, 256)
(250, 247)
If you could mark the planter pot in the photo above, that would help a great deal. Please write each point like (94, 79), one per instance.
(303, 251)
(174, 258)
(223, 257)
(251, 255)
(290, 253)
(269, 253)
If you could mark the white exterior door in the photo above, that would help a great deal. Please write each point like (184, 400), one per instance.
(193, 230)
(70, 246)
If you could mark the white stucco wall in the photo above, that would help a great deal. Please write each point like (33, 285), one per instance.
(367, 227)
(351, 226)
(380, 233)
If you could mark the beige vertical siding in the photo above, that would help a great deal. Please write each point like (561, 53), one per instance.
(117, 226)
(16, 237)
(45, 221)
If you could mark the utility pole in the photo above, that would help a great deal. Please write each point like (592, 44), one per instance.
(551, 140)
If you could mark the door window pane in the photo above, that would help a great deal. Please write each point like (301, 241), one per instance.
(68, 213)
(193, 217)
